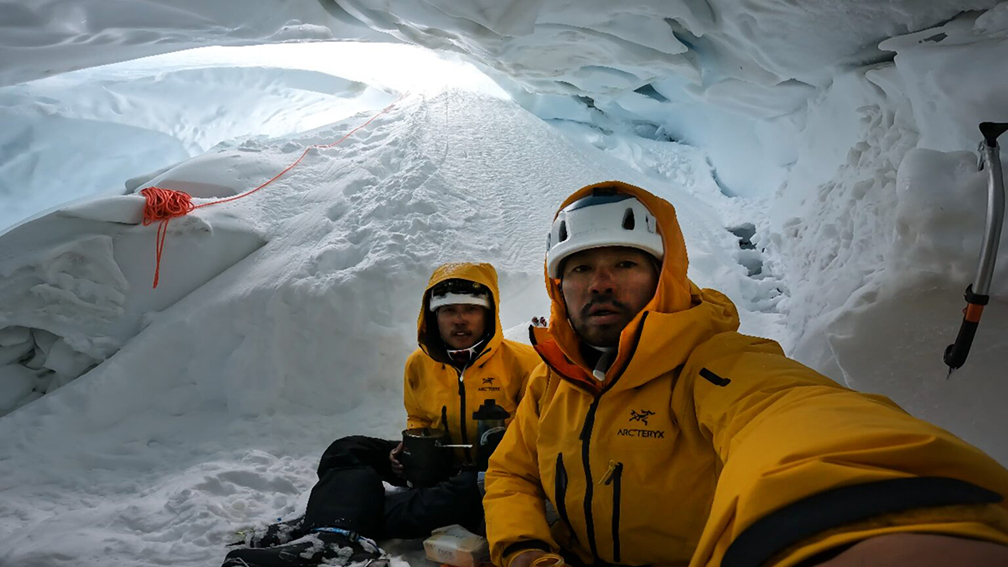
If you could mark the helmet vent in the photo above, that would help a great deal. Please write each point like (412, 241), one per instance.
(628, 219)
(563, 231)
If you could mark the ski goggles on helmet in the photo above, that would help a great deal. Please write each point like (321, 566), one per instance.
(458, 291)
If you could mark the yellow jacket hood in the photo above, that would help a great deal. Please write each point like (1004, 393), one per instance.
(678, 318)
(428, 336)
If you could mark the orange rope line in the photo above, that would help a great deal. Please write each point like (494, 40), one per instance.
(303, 154)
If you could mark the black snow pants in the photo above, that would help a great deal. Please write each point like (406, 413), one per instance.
(350, 495)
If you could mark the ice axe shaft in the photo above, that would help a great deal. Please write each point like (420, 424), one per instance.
(977, 292)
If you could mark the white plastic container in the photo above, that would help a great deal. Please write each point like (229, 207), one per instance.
(457, 546)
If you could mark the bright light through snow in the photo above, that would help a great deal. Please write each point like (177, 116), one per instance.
(84, 133)
(388, 66)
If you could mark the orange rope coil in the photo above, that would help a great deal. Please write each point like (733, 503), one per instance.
(162, 206)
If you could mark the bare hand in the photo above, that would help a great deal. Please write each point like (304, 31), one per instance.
(393, 458)
(526, 558)
(920, 550)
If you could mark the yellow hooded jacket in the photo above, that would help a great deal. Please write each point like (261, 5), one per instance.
(439, 393)
(706, 447)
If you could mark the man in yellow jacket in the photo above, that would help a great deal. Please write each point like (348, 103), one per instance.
(463, 367)
(661, 436)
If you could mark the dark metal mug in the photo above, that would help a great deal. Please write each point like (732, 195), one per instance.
(425, 461)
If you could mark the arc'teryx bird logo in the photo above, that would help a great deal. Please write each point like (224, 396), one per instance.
(641, 415)
(488, 385)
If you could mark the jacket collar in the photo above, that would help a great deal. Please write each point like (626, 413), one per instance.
(662, 343)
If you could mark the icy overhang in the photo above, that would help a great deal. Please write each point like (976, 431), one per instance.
(591, 48)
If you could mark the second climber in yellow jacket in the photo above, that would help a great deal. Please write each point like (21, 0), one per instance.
(464, 369)
(662, 436)
(463, 360)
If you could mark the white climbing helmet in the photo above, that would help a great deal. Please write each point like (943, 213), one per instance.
(598, 220)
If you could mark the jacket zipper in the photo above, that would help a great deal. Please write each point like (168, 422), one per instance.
(585, 437)
(462, 403)
(614, 476)
(560, 494)
(586, 432)
(462, 415)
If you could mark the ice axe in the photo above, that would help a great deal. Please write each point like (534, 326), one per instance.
(976, 292)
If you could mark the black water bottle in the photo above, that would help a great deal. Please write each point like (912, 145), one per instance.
(490, 424)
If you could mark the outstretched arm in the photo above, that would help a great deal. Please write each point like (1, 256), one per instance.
(810, 466)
